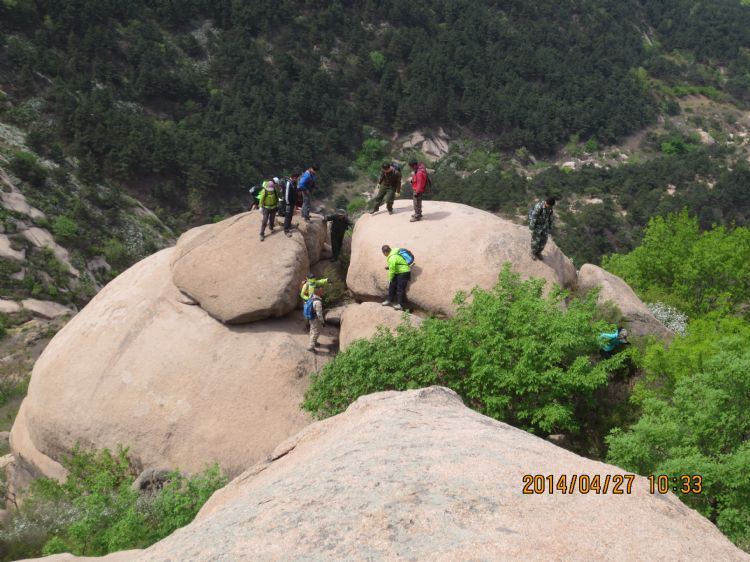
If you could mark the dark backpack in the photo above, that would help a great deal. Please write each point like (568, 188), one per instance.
(407, 255)
(309, 309)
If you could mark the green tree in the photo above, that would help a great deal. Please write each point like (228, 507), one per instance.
(700, 429)
(511, 353)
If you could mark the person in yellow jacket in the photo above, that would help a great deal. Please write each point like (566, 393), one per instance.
(399, 275)
(268, 201)
(309, 286)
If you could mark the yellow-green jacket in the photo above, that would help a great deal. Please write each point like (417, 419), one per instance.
(309, 286)
(396, 264)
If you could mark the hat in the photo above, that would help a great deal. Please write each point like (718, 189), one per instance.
(623, 334)
(276, 180)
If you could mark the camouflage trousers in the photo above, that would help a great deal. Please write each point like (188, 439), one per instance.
(314, 331)
(387, 193)
(538, 241)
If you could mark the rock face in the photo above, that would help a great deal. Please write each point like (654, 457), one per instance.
(639, 319)
(417, 476)
(136, 367)
(362, 320)
(235, 277)
(46, 309)
(456, 248)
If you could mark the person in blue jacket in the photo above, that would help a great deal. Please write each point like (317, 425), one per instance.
(305, 185)
(611, 342)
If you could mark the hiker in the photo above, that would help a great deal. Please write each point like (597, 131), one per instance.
(281, 209)
(340, 223)
(305, 186)
(611, 342)
(313, 312)
(254, 191)
(541, 220)
(309, 285)
(399, 274)
(389, 187)
(268, 202)
(289, 195)
(418, 185)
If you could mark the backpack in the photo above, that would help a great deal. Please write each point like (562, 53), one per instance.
(309, 309)
(396, 167)
(407, 255)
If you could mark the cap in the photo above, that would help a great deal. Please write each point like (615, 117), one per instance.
(276, 180)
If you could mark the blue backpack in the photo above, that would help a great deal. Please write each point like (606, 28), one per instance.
(407, 255)
(309, 310)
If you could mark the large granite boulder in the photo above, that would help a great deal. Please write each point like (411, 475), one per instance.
(417, 476)
(456, 248)
(637, 317)
(235, 277)
(361, 321)
(138, 367)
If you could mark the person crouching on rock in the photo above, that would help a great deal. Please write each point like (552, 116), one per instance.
(313, 311)
(399, 274)
(611, 342)
(268, 202)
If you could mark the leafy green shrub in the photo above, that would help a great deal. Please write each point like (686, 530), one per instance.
(95, 511)
(356, 205)
(65, 229)
(115, 253)
(511, 353)
(701, 428)
(27, 167)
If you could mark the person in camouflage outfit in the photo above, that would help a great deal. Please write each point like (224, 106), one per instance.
(541, 220)
(389, 187)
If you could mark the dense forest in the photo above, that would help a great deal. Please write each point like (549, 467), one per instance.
(187, 101)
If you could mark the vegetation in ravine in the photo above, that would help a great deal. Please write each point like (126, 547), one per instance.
(96, 511)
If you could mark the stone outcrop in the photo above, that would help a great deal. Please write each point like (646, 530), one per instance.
(362, 321)
(637, 317)
(46, 309)
(417, 476)
(456, 248)
(238, 279)
(41, 238)
(137, 367)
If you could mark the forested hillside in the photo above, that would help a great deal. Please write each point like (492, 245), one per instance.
(186, 101)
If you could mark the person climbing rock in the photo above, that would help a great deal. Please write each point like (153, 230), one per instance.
(340, 223)
(541, 220)
(389, 187)
(399, 274)
(419, 181)
(306, 185)
(309, 285)
(289, 196)
(611, 342)
(268, 202)
(313, 311)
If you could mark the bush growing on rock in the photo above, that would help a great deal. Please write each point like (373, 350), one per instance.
(511, 353)
(96, 511)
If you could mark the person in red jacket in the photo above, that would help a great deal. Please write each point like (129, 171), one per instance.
(418, 185)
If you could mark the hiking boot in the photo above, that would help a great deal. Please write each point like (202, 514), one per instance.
(288, 234)
(311, 348)
(390, 211)
(536, 256)
(415, 219)
(386, 303)
(262, 237)
(373, 211)
(398, 307)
